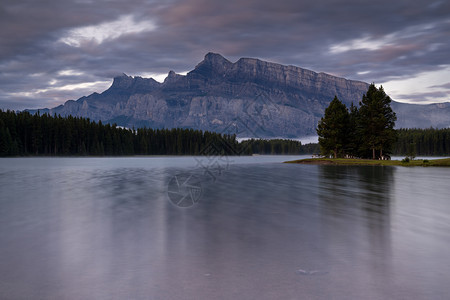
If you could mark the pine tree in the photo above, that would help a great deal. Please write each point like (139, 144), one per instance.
(354, 133)
(332, 129)
(377, 120)
(5, 142)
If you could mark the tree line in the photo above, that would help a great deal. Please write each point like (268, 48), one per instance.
(364, 131)
(23, 134)
(278, 146)
(423, 142)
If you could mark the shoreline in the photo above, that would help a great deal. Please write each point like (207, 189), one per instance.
(445, 162)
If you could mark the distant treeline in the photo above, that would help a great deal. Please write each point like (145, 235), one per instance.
(23, 134)
(422, 142)
(278, 146)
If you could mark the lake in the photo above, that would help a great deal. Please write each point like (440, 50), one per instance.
(221, 228)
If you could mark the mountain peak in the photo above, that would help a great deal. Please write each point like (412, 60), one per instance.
(213, 64)
(122, 75)
(215, 57)
(172, 77)
(122, 81)
(171, 74)
(128, 85)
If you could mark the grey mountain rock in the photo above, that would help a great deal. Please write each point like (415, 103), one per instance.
(435, 115)
(250, 97)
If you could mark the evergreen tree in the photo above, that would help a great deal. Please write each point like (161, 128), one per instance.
(5, 142)
(422, 142)
(354, 133)
(333, 129)
(377, 121)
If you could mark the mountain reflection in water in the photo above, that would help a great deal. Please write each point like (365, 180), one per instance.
(104, 228)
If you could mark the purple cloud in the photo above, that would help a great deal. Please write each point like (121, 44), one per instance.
(376, 41)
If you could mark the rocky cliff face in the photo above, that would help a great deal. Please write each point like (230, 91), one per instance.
(250, 97)
(422, 116)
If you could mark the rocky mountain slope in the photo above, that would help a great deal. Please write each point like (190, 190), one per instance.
(250, 97)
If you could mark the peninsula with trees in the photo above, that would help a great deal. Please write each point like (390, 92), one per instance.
(364, 134)
(366, 131)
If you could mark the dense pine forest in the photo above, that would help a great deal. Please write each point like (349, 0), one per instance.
(422, 142)
(23, 134)
(278, 146)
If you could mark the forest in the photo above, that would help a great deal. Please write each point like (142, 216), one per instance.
(422, 142)
(25, 134)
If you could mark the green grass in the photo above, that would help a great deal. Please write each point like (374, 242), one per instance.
(368, 162)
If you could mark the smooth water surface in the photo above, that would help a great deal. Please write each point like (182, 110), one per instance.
(105, 228)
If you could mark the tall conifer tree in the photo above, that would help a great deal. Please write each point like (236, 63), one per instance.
(377, 120)
(332, 129)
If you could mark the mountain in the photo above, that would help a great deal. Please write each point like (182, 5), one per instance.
(250, 97)
(435, 115)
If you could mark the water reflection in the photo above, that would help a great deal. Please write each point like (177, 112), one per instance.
(105, 229)
(355, 205)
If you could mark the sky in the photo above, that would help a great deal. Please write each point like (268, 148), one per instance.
(52, 51)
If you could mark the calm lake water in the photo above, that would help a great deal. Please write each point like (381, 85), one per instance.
(218, 228)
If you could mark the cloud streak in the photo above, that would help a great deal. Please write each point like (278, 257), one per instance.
(48, 47)
(125, 25)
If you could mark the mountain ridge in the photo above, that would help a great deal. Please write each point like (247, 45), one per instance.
(250, 97)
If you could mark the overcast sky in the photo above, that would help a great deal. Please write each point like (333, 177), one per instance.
(55, 50)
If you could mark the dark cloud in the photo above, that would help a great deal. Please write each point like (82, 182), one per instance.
(373, 41)
(424, 98)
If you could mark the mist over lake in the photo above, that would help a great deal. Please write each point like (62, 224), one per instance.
(221, 228)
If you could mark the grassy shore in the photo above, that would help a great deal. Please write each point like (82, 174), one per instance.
(368, 162)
